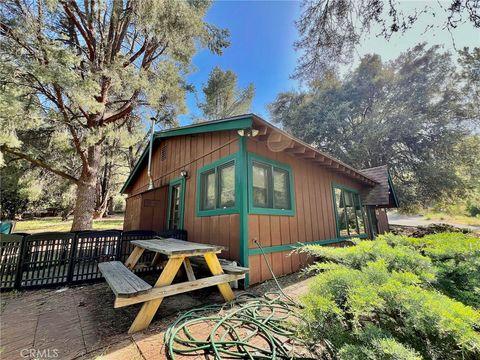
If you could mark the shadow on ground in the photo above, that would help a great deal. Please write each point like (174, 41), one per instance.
(80, 322)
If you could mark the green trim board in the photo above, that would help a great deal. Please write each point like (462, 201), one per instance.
(334, 198)
(234, 123)
(243, 197)
(269, 211)
(390, 184)
(214, 165)
(280, 248)
(243, 122)
(177, 181)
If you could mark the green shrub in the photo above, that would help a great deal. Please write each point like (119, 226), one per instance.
(456, 257)
(345, 303)
(375, 300)
(402, 257)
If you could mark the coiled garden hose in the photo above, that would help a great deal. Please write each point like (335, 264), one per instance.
(249, 327)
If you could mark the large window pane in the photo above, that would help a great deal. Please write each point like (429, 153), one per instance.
(351, 214)
(226, 175)
(208, 190)
(360, 215)
(341, 213)
(281, 195)
(261, 177)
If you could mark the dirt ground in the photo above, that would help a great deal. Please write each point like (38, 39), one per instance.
(80, 322)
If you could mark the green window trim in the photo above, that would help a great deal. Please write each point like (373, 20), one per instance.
(213, 166)
(274, 164)
(178, 181)
(337, 222)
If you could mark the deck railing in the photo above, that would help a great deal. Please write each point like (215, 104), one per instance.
(60, 258)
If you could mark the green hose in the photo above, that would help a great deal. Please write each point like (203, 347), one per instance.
(249, 327)
(232, 329)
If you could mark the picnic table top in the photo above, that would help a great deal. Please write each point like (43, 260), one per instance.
(172, 247)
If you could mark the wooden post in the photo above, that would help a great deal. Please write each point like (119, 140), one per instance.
(188, 269)
(134, 256)
(216, 269)
(149, 308)
(21, 257)
(71, 262)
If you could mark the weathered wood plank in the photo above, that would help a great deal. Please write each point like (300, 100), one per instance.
(171, 247)
(149, 308)
(188, 269)
(134, 257)
(122, 281)
(180, 288)
(227, 268)
(216, 269)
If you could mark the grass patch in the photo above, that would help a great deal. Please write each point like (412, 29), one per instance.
(56, 224)
(456, 219)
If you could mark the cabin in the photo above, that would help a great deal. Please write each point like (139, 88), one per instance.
(243, 183)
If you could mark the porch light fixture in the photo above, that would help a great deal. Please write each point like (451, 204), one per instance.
(184, 173)
(248, 132)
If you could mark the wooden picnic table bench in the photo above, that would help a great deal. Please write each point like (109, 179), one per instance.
(130, 289)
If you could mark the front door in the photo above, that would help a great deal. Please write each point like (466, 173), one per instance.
(176, 199)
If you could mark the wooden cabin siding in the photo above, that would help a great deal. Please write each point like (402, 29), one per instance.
(382, 219)
(131, 218)
(185, 153)
(314, 217)
(146, 210)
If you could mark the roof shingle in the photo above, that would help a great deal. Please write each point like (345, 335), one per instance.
(381, 194)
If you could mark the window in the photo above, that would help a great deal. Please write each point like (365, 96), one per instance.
(349, 212)
(270, 187)
(216, 188)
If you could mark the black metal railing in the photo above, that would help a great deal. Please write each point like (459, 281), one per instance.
(59, 258)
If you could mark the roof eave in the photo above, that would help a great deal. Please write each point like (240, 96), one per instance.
(348, 168)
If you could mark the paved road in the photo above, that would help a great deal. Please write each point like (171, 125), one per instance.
(419, 220)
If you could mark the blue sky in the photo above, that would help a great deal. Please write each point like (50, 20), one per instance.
(261, 51)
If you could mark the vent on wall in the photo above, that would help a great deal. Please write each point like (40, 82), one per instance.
(163, 152)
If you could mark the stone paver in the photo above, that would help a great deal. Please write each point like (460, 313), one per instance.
(81, 323)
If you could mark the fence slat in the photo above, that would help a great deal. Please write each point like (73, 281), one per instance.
(10, 250)
(92, 248)
(59, 258)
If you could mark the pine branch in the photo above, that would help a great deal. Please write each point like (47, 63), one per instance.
(38, 162)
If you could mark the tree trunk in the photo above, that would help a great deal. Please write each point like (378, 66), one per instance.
(101, 208)
(86, 191)
(110, 206)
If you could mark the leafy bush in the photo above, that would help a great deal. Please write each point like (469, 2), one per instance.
(376, 300)
(398, 258)
(473, 206)
(456, 257)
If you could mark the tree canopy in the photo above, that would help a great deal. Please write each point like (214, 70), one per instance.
(73, 74)
(411, 113)
(223, 98)
(331, 29)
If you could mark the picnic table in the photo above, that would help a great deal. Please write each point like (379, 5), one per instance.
(129, 289)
